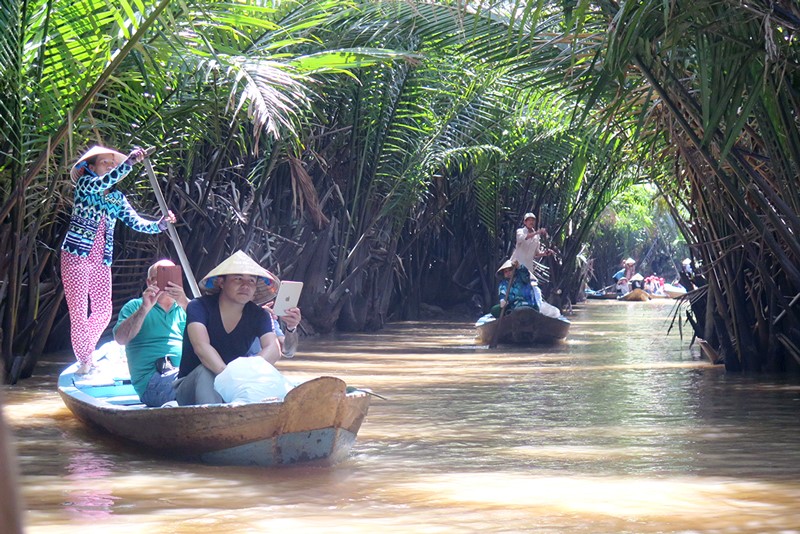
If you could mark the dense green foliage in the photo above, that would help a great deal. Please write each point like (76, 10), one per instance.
(384, 153)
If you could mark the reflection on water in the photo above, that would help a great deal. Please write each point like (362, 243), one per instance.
(620, 429)
(89, 481)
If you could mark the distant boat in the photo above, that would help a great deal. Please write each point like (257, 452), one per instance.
(674, 292)
(317, 422)
(523, 326)
(600, 294)
(635, 295)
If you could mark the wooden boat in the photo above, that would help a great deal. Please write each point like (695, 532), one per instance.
(600, 294)
(524, 326)
(635, 295)
(317, 422)
(674, 292)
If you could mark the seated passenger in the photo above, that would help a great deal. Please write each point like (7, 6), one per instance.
(520, 294)
(220, 327)
(288, 338)
(649, 285)
(636, 281)
(151, 329)
(622, 287)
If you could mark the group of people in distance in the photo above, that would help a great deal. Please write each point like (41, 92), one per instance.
(654, 285)
(175, 347)
(518, 285)
(627, 279)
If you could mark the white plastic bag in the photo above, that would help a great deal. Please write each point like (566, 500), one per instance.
(545, 308)
(111, 351)
(251, 379)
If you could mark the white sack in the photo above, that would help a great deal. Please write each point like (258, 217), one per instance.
(251, 379)
(545, 308)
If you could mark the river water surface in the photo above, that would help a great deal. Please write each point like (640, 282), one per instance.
(620, 429)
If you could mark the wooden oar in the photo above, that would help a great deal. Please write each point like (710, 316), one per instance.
(173, 234)
(493, 344)
(605, 288)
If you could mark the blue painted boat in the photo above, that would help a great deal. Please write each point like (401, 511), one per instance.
(316, 423)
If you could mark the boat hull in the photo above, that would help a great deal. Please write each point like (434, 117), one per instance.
(524, 326)
(601, 295)
(317, 422)
(636, 295)
(674, 291)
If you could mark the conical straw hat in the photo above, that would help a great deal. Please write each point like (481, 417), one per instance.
(241, 263)
(506, 265)
(98, 150)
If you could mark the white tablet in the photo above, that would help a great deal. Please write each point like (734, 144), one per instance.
(288, 296)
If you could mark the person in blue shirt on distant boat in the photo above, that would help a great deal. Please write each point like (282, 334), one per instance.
(520, 292)
(151, 330)
(627, 271)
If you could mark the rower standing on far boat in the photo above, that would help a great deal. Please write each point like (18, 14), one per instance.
(527, 250)
(529, 243)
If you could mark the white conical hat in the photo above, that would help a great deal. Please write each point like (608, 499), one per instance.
(97, 150)
(241, 263)
(508, 264)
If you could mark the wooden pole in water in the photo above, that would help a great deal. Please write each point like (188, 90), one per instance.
(493, 343)
(10, 514)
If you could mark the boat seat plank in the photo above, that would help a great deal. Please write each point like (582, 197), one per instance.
(128, 400)
(100, 392)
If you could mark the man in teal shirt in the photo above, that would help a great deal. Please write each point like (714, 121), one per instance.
(151, 329)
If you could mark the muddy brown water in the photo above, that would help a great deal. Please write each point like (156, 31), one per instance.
(620, 429)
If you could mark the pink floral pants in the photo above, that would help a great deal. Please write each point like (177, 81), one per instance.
(87, 281)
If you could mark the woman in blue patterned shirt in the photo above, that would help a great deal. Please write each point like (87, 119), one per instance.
(89, 244)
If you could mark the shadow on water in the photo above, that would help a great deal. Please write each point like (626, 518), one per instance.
(619, 429)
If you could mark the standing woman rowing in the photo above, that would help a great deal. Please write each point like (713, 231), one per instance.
(89, 245)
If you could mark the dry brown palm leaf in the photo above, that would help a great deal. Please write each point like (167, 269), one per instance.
(305, 194)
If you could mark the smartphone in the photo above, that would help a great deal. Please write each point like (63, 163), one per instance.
(168, 273)
(288, 297)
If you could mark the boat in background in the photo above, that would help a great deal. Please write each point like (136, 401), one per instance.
(674, 292)
(635, 295)
(600, 294)
(317, 422)
(522, 326)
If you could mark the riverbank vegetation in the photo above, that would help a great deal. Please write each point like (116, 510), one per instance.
(384, 152)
